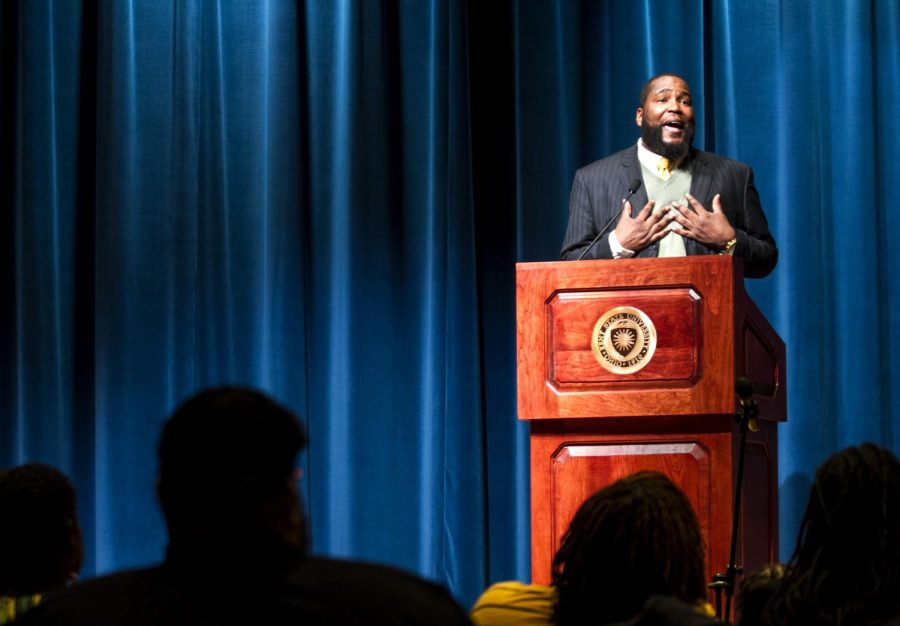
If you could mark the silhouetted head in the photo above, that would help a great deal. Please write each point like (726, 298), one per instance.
(756, 589)
(227, 470)
(40, 540)
(636, 538)
(845, 567)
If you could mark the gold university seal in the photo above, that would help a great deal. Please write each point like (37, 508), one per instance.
(624, 340)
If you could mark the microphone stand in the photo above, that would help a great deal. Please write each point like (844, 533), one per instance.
(747, 420)
(633, 187)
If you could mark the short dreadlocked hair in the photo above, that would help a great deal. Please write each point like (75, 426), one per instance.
(635, 538)
(755, 591)
(846, 564)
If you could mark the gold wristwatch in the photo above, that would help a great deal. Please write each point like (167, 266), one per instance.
(729, 247)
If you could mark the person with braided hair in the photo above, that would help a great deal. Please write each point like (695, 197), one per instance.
(633, 548)
(845, 569)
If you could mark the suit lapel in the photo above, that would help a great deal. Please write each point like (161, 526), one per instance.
(701, 181)
(701, 178)
(631, 169)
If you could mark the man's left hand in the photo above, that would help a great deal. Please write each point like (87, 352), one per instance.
(694, 221)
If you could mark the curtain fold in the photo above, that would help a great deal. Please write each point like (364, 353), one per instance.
(38, 218)
(393, 355)
(197, 280)
(326, 200)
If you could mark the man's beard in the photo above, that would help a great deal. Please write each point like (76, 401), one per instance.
(653, 141)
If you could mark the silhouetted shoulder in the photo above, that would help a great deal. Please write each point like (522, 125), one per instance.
(335, 591)
(609, 163)
(321, 592)
(137, 597)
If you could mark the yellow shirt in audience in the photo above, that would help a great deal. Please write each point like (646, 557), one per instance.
(12, 607)
(514, 603)
(511, 602)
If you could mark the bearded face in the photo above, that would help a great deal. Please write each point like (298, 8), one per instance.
(666, 117)
(652, 135)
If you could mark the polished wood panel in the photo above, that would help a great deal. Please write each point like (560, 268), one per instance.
(572, 316)
(696, 305)
(571, 459)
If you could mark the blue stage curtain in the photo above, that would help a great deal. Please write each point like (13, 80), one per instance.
(326, 200)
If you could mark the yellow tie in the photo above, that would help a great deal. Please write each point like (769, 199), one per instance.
(663, 166)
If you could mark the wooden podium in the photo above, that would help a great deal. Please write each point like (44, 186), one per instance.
(631, 364)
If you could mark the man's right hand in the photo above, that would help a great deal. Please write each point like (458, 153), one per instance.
(645, 228)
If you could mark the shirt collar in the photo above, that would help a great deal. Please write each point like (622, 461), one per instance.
(649, 159)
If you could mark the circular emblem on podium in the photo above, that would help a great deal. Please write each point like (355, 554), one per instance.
(624, 340)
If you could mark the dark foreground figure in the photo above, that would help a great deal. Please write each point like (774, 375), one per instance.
(40, 540)
(845, 570)
(237, 549)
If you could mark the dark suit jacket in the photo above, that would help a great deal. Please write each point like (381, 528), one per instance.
(599, 188)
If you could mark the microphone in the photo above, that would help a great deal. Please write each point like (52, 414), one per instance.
(744, 390)
(634, 186)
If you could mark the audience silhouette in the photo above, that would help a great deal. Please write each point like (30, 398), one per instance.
(237, 553)
(237, 549)
(41, 549)
(755, 591)
(846, 566)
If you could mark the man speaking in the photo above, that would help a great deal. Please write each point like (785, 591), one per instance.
(692, 202)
